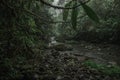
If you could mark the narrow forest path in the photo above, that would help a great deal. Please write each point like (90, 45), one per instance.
(99, 53)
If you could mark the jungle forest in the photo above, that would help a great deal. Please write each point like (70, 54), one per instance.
(59, 39)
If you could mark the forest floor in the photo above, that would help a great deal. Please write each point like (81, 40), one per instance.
(87, 61)
(100, 53)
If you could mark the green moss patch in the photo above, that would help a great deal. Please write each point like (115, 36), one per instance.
(106, 69)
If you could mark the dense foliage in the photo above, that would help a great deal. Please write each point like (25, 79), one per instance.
(22, 28)
(22, 25)
(105, 31)
(27, 25)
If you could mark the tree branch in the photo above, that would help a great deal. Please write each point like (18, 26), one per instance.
(58, 7)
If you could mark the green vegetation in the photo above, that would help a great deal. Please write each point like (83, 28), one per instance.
(106, 69)
(27, 26)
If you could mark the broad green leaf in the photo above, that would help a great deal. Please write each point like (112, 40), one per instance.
(90, 13)
(66, 11)
(74, 16)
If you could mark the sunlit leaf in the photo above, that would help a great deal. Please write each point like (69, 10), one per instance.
(90, 13)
